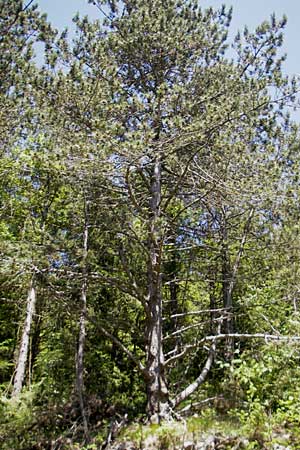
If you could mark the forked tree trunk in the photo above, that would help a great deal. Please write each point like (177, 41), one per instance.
(158, 407)
(24, 344)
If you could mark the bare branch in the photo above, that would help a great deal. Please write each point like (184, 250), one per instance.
(266, 337)
(201, 403)
(195, 313)
(188, 327)
(183, 395)
(186, 349)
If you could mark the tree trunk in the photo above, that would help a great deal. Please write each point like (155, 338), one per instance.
(157, 391)
(24, 345)
(230, 272)
(227, 291)
(82, 333)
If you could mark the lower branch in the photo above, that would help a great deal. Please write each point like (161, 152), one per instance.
(204, 402)
(266, 337)
(183, 395)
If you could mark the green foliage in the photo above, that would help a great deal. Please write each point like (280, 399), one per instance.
(268, 389)
(17, 418)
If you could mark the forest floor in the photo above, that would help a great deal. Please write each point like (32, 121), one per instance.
(195, 434)
(209, 429)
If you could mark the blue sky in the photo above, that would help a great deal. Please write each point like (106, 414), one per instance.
(60, 13)
(254, 12)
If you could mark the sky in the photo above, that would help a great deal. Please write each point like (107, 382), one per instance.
(60, 13)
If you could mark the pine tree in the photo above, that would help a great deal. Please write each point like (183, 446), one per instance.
(153, 171)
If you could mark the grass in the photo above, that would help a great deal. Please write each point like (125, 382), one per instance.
(227, 430)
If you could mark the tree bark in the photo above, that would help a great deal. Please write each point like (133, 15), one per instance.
(24, 345)
(158, 407)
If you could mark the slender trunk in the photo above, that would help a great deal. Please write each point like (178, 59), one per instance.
(24, 345)
(174, 287)
(227, 293)
(157, 390)
(212, 299)
(230, 272)
(82, 333)
(170, 271)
